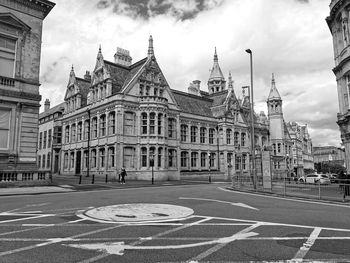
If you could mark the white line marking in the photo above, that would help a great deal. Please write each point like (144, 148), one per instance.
(75, 221)
(37, 224)
(25, 218)
(220, 201)
(307, 245)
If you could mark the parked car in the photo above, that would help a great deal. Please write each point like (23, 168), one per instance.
(314, 179)
(332, 177)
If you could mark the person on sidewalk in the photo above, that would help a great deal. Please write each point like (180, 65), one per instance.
(123, 175)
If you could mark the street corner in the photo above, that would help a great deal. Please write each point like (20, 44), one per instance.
(137, 213)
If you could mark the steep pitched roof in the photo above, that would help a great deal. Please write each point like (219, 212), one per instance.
(84, 90)
(193, 104)
(274, 94)
(218, 98)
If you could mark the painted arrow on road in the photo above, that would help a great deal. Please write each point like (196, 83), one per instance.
(220, 201)
(118, 248)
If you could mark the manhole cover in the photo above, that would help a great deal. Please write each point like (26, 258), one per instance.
(137, 213)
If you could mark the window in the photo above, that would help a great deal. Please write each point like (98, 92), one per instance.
(171, 128)
(72, 160)
(129, 153)
(48, 160)
(193, 134)
(229, 158)
(172, 158)
(203, 159)
(44, 141)
(111, 123)
(94, 127)
(40, 140)
(228, 136)
(144, 123)
(147, 90)
(194, 158)
(152, 155)
(278, 147)
(141, 90)
(86, 159)
(111, 157)
(274, 149)
(73, 133)
(155, 92)
(152, 123)
(103, 125)
(93, 158)
(160, 152)
(66, 135)
(79, 131)
(235, 138)
(243, 138)
(5, 117)
(86, 129)
(161, 93)
(238, 163)
(212, 159)
(144, 157)
(202, 134)
(7, 56)
(65, 161)
(44, 161)
(129, 123)
(211, 136)
(49, 139)
(160, 116)
(184, 159)
(244, 161)
(183, 131)
(102, 156)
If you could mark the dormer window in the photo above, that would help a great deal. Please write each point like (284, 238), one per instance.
(7, 56)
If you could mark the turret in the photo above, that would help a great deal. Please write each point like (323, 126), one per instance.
(216, 80)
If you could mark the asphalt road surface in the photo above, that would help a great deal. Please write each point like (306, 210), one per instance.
(194, 223)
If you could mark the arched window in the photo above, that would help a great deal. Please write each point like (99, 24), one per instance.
(143, 123)
(86, 129)
(144, 157)
(111, 123)
(184, 159)
(160, 153)
(94, 127)
(103, 125)
(111, 157)
(79, 131)
(203, 134)
(152, 120)
(71, 161)
(73, 133)
(102, 155)
(194, 159)
(228, 136)
(211, 136)
(236, 138)
(93, 158)
(203, 159)
(66, 134)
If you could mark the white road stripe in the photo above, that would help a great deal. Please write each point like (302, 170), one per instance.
(307, 245)
(219, 201)
(25, 218)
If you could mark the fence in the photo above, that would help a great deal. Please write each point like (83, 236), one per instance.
(288, 187)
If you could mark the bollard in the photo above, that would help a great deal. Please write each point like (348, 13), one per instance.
(106, 178)
(319, 189)
(79, 179)
(93, 179)
(209, 178)
(284, 187)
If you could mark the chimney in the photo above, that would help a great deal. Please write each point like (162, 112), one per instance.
(122, 57)
(87, 76)
(47, 105)
(194, 88)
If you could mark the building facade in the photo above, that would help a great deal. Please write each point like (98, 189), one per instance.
(125, 114)
(329, 155)
(338, 23)
(20, 47)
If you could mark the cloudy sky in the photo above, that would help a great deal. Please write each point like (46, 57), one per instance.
(289, 38)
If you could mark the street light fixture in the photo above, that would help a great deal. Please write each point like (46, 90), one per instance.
(252, 137)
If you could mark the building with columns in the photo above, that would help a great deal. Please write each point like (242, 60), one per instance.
(125, 114)
(20, 49)
(338, 23)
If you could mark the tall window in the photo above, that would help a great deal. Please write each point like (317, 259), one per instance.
(144, 123)
(194, 158)
(7, 56)
(228, 136)
(48, 160)
(193, 133)
(202, 135)
(93, 158)
(44, 161)
(79, 131)
(152, 120)
(171, 128)
(39, 161)
(211, 136)
(94, 127)
(212, 159)
(274, 148)
(184, 130)
(278, 147)
(144, 157)
(44, 141)
(203, 159)
(40, 140)
(111, 123)
(238, 163)
(86, 129)
(102, 156)
(129, 123)
(236, 138)
(129, 156)
(65, 161)
(172, 158)
(103, 125)
(5, 117)
(243, 138)
(111, 157)
(229, 158)
(86, 159)
(73, 133)
(155, 92)
(147, 90)
(72, 160)
(66, 134)
(244, 161)
(160, 116)
(160, 153)
(141, 90)
(49, 138)
(184, 159)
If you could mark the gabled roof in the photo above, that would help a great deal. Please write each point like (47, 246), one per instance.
(13, 21)
(193, 104)
(218, 98)
(58, 108)
(274, 94)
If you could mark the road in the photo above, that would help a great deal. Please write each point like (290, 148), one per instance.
(193, 223)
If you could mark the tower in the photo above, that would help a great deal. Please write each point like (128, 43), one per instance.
(216, 80)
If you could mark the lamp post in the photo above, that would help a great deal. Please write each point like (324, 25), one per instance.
(151, 159)
(252, 137)
(209, 167)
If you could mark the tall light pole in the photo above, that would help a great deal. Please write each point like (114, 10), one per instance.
(252, 136)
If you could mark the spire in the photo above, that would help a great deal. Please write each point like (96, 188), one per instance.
(150, 46)
(216, 72)
(99, 54)
(71, 77)
(274, 94)
(230, 81)
(215, 56)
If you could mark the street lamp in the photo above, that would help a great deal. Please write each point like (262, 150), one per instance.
(151, 163)
(252, 137)
(209, 167)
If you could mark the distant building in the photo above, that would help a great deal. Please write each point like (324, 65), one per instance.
(329, 154)
(20, 47)
(338, 23)
(125, 114)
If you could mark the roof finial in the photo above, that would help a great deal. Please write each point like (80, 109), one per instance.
(273, 79)
(230, 81)
(150, 46)
(72, 69)
(215, 56)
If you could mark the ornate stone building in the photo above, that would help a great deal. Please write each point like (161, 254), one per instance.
(20, 46)
(338, 23)
(125, 114)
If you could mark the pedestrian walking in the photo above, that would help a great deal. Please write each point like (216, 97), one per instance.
(123, 175)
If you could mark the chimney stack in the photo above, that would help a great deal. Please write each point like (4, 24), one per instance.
(87, 76)
(122, 57)
(47, 105)
(194, 88)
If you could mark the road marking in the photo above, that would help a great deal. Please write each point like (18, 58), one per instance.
(307, 245)
(25, 218)
(220, 201)
(283, 198)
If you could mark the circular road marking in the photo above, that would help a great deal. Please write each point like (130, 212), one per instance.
(137, 213)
